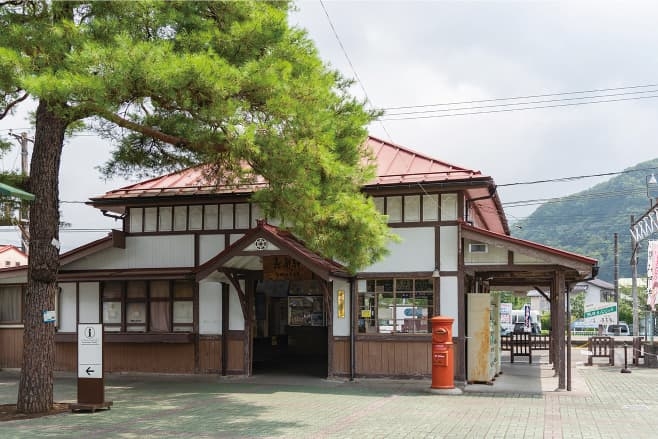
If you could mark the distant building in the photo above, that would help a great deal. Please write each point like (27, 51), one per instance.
(596, 291)
(11, 256)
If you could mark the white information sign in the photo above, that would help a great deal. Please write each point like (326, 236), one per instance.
(90, 350)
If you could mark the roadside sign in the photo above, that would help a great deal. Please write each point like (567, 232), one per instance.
(90, 350)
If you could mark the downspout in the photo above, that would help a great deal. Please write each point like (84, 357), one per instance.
(353, 318)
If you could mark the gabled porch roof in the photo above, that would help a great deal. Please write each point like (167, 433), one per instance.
(268, 240)
(513, 275)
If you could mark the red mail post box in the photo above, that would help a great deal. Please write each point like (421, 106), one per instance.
(443, 364)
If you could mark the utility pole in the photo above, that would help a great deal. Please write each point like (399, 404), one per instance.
(634, 246)
(616, 272)
(23, 220)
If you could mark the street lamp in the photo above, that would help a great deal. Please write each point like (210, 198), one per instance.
(650, 180)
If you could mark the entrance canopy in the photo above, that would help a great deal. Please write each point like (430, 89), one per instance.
(246, 254)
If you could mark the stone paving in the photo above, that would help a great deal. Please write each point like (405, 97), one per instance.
(522, 403)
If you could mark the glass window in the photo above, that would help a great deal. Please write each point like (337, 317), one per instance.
(151, 219)
(391, 306)
(242, 216)
(394, 209)
(196, 217)
(448, 207)
(431, 207)
(180, 218)
(210, 216)
(148, 306)
(256, 214)
(11, 304)
(136, 219)
(226, 216)
(379, 204)
(164, 218)
(412, 208)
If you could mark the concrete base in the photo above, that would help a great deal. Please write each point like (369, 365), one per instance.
(453, 391)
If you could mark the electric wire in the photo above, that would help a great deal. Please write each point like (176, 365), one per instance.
(349, 61)
(506, 110)
(630, 87)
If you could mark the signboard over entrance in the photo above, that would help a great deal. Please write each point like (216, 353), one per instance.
(90, 350)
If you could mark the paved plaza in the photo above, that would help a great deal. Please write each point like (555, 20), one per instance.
(522, 403)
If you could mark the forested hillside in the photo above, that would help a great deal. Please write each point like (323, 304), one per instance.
(586, 222)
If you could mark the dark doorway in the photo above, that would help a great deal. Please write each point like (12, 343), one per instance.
(291, 332)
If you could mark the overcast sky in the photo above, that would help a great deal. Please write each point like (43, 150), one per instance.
(413, 53)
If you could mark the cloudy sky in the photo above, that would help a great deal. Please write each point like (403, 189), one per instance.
(423, 53)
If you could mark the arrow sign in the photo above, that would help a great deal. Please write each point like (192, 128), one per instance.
(90, 350)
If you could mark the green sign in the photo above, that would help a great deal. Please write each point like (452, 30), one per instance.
(599, 312)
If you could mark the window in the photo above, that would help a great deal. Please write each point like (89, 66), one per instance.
(148, 306)
(7, 263)
(409, 208)
(11, 304)
(389, 306)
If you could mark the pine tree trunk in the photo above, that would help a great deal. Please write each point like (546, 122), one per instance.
(35, 393)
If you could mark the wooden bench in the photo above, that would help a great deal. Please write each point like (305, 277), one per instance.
(601, 347)
(521, 346)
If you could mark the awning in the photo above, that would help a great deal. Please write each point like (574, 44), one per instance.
(11, 191)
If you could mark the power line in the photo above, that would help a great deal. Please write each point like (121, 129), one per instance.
(542, 101)
(349, 61)
(630, 87)
(507, 110)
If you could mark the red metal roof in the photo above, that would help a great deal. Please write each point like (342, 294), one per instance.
(396, 164)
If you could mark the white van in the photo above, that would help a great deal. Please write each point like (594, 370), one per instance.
(620, 328)
(518, 316)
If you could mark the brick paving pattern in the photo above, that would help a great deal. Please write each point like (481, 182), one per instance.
(522, 403)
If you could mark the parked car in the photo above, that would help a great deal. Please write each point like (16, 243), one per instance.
(620, 328)
(519, 328)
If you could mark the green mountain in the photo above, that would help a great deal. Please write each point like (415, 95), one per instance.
(585, 222)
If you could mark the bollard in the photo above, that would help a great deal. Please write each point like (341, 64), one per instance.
(625, 369)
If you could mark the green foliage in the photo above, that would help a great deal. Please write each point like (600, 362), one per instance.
(176, 84)
(577, 306)
(585, 222)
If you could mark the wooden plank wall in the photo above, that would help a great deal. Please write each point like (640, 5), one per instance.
(235, 356)
(66, 357)
(210, 354)
(149, 357)
(11, 347)
(403, 358)
(340, 364)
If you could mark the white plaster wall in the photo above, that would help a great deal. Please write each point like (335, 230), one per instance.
(341, 327)
(210, 246)
(143, 252)
(235, 319)
(415, 252)
(449, 302)
(493, 255)
(66, 320)
(89, 302)
(523, 259)
(210, 308)
(448, 252)
(234, 238)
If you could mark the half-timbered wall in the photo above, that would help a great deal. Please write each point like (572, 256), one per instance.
(341, 320)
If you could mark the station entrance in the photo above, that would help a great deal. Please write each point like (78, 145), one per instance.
(290, 334)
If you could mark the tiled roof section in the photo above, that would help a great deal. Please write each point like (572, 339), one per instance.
(396, 164)
(188, 182)
(8, 247)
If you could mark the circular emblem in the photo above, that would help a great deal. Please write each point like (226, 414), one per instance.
(261, 243)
